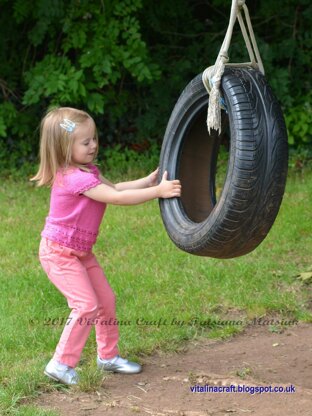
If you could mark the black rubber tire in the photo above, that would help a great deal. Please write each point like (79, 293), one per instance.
(256, 173)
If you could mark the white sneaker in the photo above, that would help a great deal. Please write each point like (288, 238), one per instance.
(61, 373)
(119, 365)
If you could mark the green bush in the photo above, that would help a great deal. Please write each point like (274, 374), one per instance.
(127, 61)
(299, 122)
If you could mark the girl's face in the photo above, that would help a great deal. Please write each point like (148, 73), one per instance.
(85, 143)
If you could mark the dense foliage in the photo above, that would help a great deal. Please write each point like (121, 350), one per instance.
(126, 61)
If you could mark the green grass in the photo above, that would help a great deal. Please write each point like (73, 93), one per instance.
(161, 291)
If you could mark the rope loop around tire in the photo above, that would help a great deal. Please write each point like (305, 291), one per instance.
(212, 75)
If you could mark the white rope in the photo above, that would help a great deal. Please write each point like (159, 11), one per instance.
(212, 75)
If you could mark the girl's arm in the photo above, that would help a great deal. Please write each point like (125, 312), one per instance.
(146, 182)
(107, 182)
(111, 195)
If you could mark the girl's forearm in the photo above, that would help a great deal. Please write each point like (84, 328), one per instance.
(122, 186)
(136, 195)
(109, 195)
(136, 184)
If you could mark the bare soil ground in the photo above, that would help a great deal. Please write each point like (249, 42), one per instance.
(256, 357)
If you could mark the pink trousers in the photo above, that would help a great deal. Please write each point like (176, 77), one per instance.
(79, 277)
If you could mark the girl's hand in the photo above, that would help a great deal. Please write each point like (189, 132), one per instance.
(152, 179)
(169, 189)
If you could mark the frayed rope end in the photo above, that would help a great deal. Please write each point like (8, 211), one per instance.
(214, 108)
(214, 111)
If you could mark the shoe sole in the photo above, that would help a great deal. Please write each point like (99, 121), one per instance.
(120, 371)
(127, 372)
(52, 377)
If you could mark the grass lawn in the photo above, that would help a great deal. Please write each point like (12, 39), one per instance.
(164, 296)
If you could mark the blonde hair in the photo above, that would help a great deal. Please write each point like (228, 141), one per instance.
(56, 143)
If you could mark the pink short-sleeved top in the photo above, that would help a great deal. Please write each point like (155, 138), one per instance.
(74, 219)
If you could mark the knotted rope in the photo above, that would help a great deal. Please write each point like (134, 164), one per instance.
(212, 75)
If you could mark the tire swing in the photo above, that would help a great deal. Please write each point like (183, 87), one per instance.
(235, 222)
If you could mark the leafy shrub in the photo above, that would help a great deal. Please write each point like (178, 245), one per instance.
(299, 122)
(127, 61)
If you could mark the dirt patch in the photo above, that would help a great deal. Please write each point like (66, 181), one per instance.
(254, 358)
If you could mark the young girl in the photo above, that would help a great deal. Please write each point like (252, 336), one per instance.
(68, 146)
